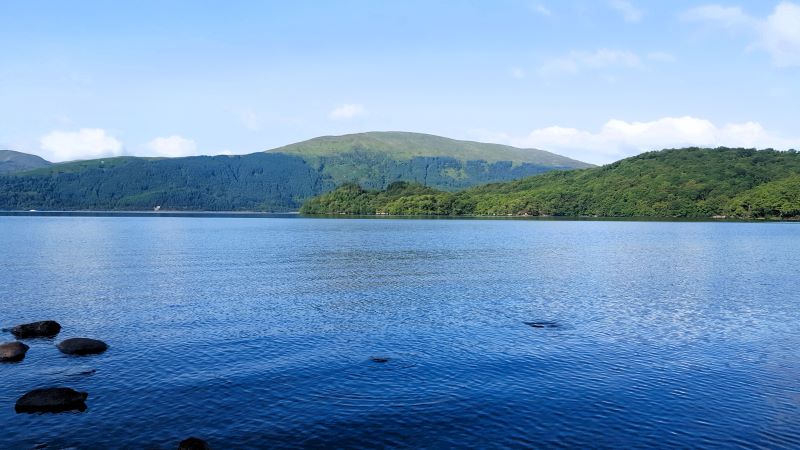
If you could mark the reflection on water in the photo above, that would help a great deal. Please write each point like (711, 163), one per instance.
(410, 333)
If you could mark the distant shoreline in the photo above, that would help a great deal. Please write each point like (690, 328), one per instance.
(150, 213)
(296, 214)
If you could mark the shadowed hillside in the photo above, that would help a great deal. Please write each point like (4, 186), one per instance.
(11, 161)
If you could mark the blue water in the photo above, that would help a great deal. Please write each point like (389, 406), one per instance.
(258, 332)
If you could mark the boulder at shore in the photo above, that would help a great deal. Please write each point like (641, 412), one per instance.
(193, 443)
(82, 346)
(47, 328)
(13, 351)
(57, 399)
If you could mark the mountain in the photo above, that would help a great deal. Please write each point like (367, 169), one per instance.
(403, 145)
(11, 161)
(376, 159)
(277, 180)
(690, 182)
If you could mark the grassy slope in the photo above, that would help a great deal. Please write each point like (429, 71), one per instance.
(672, 183)
(404, 145)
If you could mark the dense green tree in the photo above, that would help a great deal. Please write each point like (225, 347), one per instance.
(689, 182)
(260, 181)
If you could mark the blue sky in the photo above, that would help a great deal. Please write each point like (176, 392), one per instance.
(596, 80)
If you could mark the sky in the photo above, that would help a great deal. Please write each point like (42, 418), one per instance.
(595, 80)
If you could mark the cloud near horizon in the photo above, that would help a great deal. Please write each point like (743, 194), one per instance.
(86, 143)
(619, 139)
(172, 146)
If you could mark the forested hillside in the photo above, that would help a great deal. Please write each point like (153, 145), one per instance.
(269, 181)
(689, 182)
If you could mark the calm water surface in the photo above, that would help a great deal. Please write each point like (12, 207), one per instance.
(259, 332)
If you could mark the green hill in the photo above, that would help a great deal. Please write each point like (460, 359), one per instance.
(404, 146)
(11, 161)
(277, 180)
(689, 182)
(376, 159)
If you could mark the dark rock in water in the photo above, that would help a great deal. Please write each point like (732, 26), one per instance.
(82, 346)
(13, 351)
(193, 443)
(47, 328)
(379, 359)
(58, 399)
(542, 324)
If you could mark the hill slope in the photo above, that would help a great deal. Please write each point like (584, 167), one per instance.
(404, 145)
(252, 182)
(271, 181)
(376, 159)
(688, 182)
(11, 161)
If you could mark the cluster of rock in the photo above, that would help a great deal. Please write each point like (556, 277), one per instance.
(60, 399)
(53, 399)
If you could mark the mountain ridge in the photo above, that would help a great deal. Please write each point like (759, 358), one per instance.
(264, 181)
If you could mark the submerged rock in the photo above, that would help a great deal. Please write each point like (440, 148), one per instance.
(193, 443)
(46, 328)
(13, 351)
(542, 324)
(57, 399)
(82, 346)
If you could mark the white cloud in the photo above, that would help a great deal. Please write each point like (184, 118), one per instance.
(86, 143)
(619, 139)
(778, 34)
(171, 146)
(576, 61)
(517, 73)
(347, 111)
(629, 12)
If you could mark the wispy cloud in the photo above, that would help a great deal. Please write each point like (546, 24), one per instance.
(85, 143)
(347, 111)
(662, 57)
(541, 9)
(726, 16)
(250, 120)
(629, 12)
(576, 61)
(778, 34)
(618, 139)
(518, 73)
